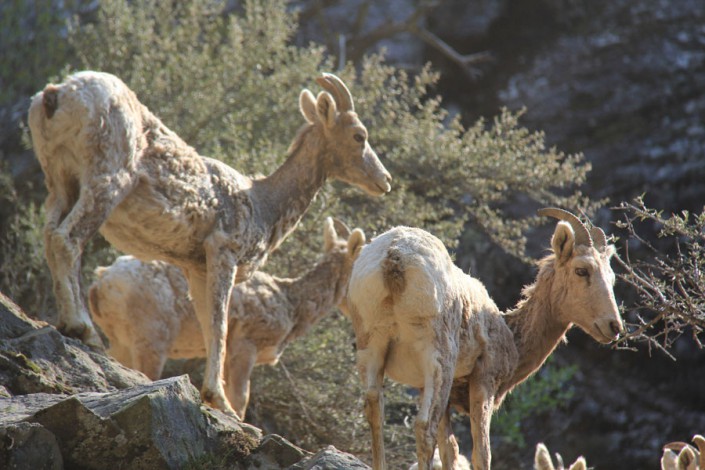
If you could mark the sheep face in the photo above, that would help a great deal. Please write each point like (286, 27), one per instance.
(350, 158)
(585, 284)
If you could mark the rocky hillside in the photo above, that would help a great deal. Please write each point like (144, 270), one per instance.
(63, 405)
(621, 81)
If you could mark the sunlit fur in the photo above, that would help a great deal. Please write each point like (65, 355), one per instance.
(144, 310)
(112, 165)
(423, 322)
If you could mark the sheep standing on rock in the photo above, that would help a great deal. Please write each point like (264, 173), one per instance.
(143, 309)
(422, 321)
(110, 165)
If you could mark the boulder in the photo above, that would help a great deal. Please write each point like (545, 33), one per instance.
(63, 405)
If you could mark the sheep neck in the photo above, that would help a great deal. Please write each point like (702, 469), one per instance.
(536, 325)
(316, 292)
(285, 195)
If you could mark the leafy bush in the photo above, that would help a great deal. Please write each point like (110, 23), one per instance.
(24, 276)
(33, 44)
(548, 389)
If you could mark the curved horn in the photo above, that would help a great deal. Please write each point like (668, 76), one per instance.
(582, 236)
(336, 87)
(341, 229)
(599, 238)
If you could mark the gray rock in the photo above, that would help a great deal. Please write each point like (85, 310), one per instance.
(330, 458)
(63, 405)
(36, 358)
(275, 452)
(29, 446)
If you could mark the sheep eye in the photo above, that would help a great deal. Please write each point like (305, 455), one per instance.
(582, 272)
(359, 138)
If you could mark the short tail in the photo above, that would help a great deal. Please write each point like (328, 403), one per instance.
(393, 272)
(50, 100)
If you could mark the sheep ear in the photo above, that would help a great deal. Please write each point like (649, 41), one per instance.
(325, 105)
(542, 458)
(343, 230)
(563, 241)
(329, 234)
(307, 105)
(579, 464)
(355, 243)
(686, 459)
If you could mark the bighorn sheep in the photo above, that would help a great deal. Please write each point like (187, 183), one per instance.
(421, 320)
(543, 461)
(683, 456)
(143, 309)
(112, 166)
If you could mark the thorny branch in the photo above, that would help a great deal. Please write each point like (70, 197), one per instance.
(669, 284)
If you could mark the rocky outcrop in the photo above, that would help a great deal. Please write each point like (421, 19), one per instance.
(36, 358)
(66, 406)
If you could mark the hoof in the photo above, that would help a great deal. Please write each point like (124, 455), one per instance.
(92, 339)
(86, 333)
(219, 402)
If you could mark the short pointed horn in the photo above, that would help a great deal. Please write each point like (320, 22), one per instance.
(336, 87)
(599, 238)
(582, 236)
(341, 228)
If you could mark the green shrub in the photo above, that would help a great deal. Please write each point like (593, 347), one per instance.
(548, 389)
(33, 44)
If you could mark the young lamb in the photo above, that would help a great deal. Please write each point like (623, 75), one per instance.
(683, 456)
(422, 321)
(143, 309)
(543, 461)
(110, 165)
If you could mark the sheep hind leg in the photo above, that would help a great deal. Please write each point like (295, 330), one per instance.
(240, 360)
(371, 365)
(447, 445)
(433, 404)
(481, 406)
(65, 238)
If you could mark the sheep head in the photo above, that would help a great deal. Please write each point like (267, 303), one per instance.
(584, 280)
(349, 156)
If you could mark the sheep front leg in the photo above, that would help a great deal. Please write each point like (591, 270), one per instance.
(241, 358)
(210, 291)
(481, 406)
(370, 362)
(66, 232)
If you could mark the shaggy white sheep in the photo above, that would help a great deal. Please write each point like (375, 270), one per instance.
(422, 321)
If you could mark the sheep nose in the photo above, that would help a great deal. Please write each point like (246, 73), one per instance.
(616, 327)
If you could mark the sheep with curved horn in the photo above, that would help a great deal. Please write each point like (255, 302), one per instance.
(112, 166)
(423, 322)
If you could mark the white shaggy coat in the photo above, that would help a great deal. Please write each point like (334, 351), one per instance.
(423, 322)
(144, 310)
(112, 165)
